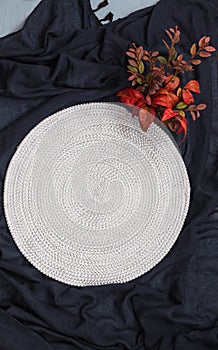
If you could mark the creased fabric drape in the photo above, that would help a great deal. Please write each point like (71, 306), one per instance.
(64, 56)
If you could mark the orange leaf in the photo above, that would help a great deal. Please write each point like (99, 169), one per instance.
(196, 62)
(183, 126)
(168, 114)
(171, 82)
(179, 91)
(193, 49)
(174, 99)
(187, 96)
(193, 85)
(165, 99)
(163, 92)
(154, 54)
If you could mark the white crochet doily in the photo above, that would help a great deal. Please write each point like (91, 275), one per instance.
(91, 199)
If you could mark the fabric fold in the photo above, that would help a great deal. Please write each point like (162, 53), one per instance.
(63, 56)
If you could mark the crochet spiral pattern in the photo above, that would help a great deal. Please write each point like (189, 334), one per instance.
(91, 199)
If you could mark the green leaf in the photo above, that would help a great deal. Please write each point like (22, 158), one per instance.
(182, 113)
(139, 80)
(173, 53)
(141, 67)
(162, 59)
(132, 69)
(181, 105)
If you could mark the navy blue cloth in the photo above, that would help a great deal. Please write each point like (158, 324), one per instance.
(64, 56)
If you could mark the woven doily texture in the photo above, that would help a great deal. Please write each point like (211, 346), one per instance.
(90, 199)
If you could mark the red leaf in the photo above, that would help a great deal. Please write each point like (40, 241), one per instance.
(132, 97)
(202, 40)
(152, 92)
(130, 54)
(174, 99)
(198, 114)
(154, 54)
(168, 114)
(193, 85)
(164, 98)
(169, 34)
(204, 54)
(171, 82)
(193, 115)
(183, 126)
(132, 63)
(210, 48)
(201, 106)
(148, 99)
(135, 111)
(139, 49)
(131, 77)
(145, 119)
(192, 108)
(187, 96)
(131, 92)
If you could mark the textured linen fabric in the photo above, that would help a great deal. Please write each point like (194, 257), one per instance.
(64, 56)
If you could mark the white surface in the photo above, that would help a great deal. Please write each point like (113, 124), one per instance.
(14, 12)
(121, 8)
(96, 203)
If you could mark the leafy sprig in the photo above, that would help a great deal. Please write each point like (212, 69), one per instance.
(158, 91)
